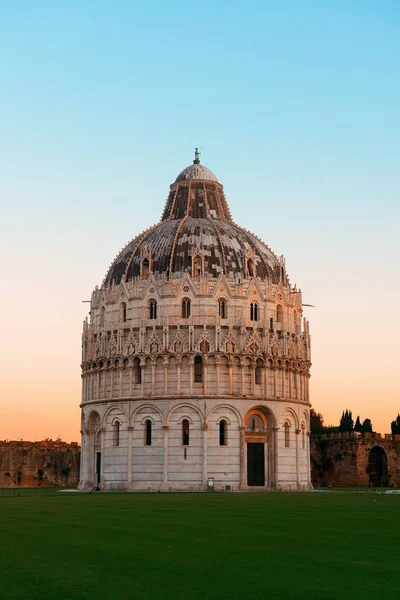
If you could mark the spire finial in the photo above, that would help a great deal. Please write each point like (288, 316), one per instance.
(196, 157)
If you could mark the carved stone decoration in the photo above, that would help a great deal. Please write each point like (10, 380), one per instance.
(229, 344)
(97, 350)
(131, 345)
(154, 344)
(178, 344)
(112, 345)
(254, 344)
(207, 347)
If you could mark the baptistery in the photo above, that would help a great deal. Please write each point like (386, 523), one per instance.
(196, 357)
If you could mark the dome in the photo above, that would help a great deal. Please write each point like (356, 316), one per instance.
(196, 221)
(196, 172)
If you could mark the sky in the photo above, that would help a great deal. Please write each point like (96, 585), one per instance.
(295, 107)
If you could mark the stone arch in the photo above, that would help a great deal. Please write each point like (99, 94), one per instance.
(378, 467)
(117, 409)
(225, 407)
(289, 414)
(179, 407)
(94, 420)
(267, 413)
(143, 407)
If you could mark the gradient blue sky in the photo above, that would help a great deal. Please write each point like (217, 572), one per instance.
(296, 108)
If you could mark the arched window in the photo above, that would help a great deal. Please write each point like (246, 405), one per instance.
(116, 428)
(197, 266)
(222, 308)
(258, 374)
(198, 369)
(102, 317)
(185, 308)
(279, 314)
(287, 434)
(148, 432)
(254, 311)
(185, 432)
(145, 268)
(250, 268)
(137, 371)
(123, 312)
(271, 324)
(153, 309)
(223, 425)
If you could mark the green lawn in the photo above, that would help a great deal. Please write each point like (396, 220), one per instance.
(197, 546)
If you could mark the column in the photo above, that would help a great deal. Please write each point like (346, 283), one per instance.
(242, 379)
(205, 451)
(266, 381)
(243, 459)
(191, 376)
(217, 366)
(120, 381)
(178, 378)
(230, 379)
(165, 379)
(165, 456)
(275, 458)
(102, 449)
(130, 379)
(130, 458)
(204, 377)
(274, 371)
(308, 460)
(297, 459)
(111, 384)
(153, 378)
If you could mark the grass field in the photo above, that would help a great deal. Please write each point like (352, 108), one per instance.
(189, 546)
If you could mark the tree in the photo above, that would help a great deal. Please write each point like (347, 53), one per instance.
(40, 475)
(366, 426)
(346, 422)
(395, 426)
(358, 426)
(316, 422)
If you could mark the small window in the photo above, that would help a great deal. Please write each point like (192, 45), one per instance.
(250, 268)
(145, 268)
(137, 371)
(303, 438)
(258, 375)
(185, 432)
(271, 324)
(222, 308)
(198, 369)
(123, 312)
(254, 311)
(148, 432)
(197, 266)
(287, 435)
(279, 314)
(116, 428)
(222, 433)
(153, 309)
(185, 308)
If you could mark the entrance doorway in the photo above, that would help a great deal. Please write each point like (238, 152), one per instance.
(377, 467)
(98, 470)
(255, 464)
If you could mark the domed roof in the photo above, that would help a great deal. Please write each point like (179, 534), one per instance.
(196, 171)
(196, 222)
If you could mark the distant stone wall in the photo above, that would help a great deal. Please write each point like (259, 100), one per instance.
(343, 459)
(39, 464)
